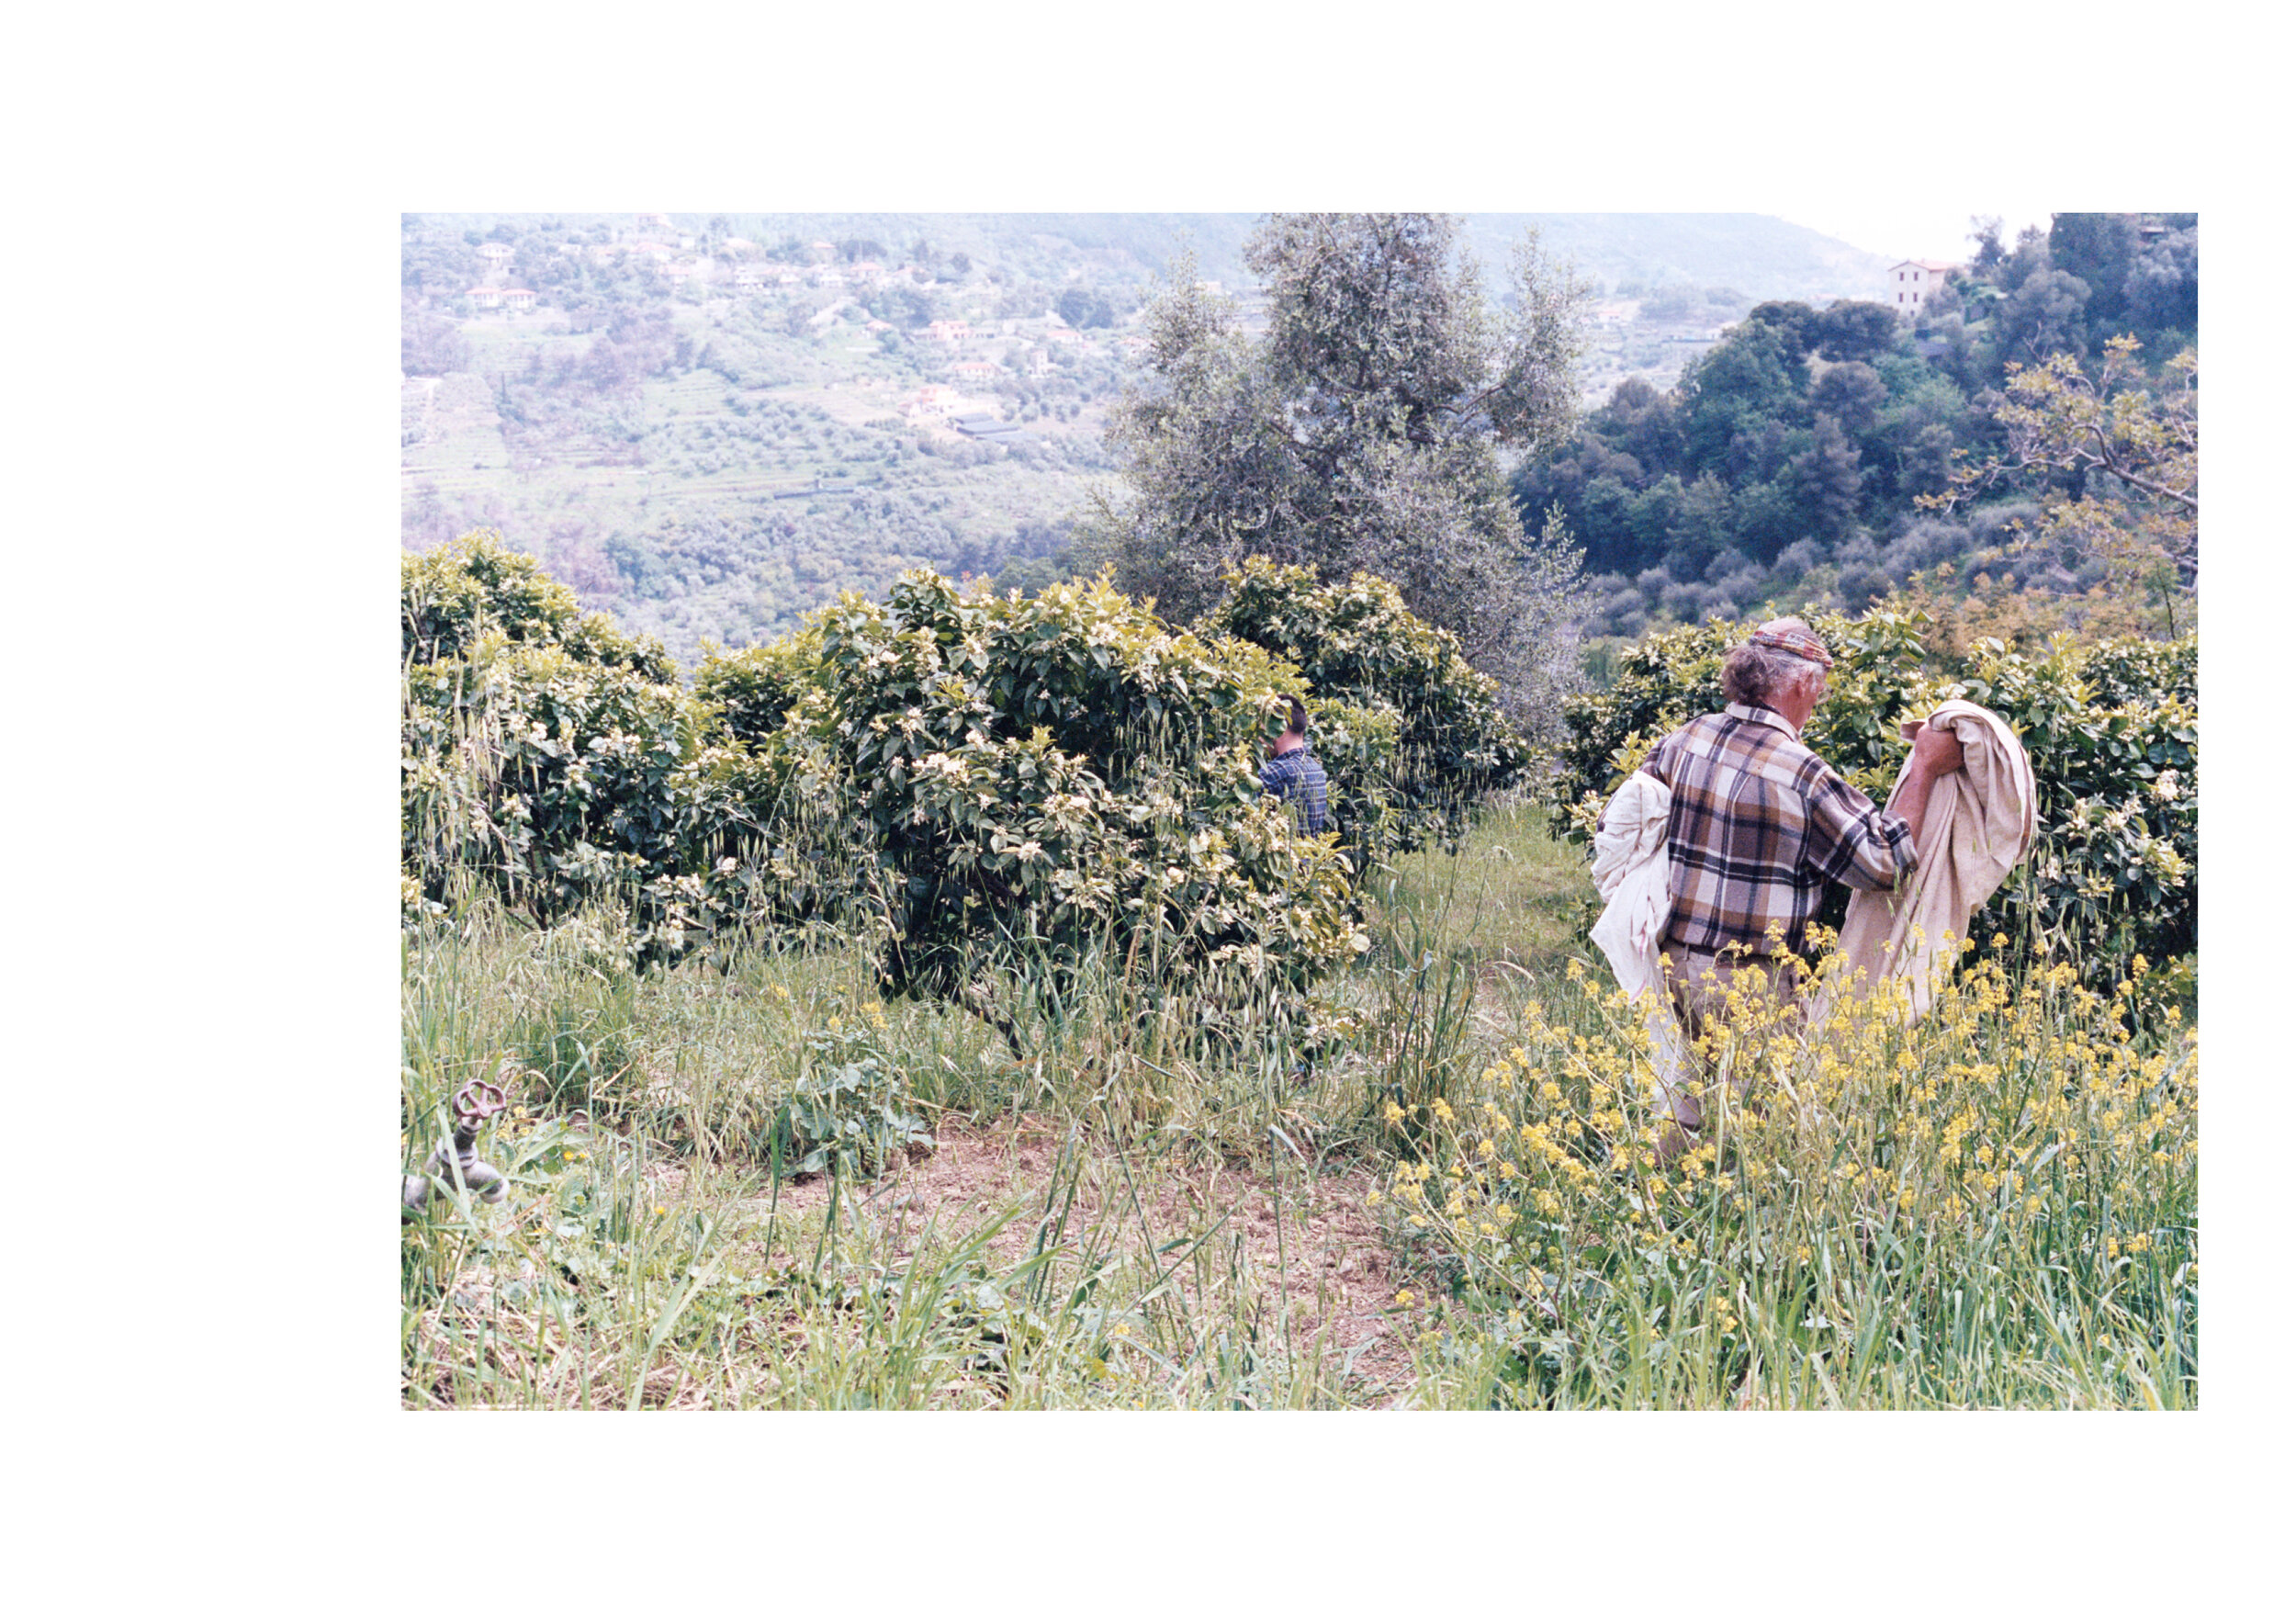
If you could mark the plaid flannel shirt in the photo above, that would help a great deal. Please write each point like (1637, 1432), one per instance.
(1298, 777)
(1758, 826)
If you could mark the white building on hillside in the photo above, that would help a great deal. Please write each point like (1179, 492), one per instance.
(935, 399)
(1913, 281)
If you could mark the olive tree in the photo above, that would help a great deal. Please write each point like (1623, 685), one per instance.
(1365, 429)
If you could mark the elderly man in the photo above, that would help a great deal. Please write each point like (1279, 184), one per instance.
(1757, 825)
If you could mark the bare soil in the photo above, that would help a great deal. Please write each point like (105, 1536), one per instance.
(1309, 1246)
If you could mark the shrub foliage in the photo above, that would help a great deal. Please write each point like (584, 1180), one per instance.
(996, 791)
(1410, 734)
(1043, 783)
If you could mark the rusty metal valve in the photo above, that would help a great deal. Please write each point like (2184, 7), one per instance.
(458, 1162)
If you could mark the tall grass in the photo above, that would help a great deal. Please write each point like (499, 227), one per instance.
(1996, 1208)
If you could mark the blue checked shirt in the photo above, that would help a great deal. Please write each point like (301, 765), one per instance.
(1298, 777)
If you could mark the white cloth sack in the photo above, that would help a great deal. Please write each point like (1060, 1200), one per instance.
(1632, 871)
(1980, 824)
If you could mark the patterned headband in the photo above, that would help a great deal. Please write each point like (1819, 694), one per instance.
(1792, 640)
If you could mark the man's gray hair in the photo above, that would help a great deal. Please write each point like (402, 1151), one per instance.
(1755, 675)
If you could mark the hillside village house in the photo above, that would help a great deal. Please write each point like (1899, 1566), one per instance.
(935, 399)
(486, 299)
(974, 371)
(831, 279)
(1040, 363)
(947, 332)
(824, 251)
(519, 299)
(1914, 280)
(748, 278)
(496, 255)
(868, 272)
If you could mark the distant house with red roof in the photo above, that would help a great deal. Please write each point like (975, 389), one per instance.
(486, 299)
(519, 299)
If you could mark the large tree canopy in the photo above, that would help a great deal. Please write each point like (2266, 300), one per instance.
(1363, 430)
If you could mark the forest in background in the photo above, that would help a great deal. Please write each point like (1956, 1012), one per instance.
(1810, 458)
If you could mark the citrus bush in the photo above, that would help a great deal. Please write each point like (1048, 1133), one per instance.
(1411, 735)
(454, 596)
(2112, 728)
(988, 790)
(1054, 782)
(555, 764)
(1959, 1213)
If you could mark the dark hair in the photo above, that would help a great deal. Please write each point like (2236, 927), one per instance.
(1298, 712)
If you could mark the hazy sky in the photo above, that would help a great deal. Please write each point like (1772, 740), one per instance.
(1910, 232)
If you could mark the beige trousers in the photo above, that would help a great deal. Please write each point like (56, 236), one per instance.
(1701, 985)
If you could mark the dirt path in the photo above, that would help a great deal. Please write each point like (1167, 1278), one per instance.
(1306, 1237)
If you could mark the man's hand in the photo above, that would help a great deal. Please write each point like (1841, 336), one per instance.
(1936, 753)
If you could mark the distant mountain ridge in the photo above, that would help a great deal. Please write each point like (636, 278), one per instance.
(1759, 254)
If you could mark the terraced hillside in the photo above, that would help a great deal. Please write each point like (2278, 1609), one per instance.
(708, 426)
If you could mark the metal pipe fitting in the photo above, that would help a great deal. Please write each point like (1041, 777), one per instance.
(456, 1162)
